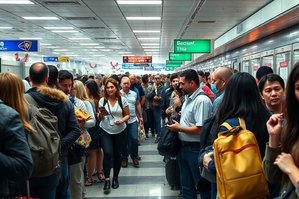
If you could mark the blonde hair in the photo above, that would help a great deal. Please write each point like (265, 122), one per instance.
(80, 88)
(12, 94)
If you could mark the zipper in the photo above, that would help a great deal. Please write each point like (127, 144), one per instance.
(239, 150)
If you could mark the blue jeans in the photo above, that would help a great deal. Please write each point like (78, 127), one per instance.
(189, 171)
(44, 187)
(63, 191)
(131, 142)
(157, 120)
(112, 146)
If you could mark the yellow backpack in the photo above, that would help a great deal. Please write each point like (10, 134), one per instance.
(238, 164)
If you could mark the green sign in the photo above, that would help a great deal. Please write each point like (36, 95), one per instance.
(180, 57)
(174, 62)
(170, 68)
(173, 65)
(192, 46)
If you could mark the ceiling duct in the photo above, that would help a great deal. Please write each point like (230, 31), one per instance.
(205, 21)
(80, 18)
(91, 28)
(61, 3)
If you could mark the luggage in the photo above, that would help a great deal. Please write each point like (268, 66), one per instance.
(172, 172)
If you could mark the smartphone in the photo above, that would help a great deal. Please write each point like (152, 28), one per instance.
(103, 110)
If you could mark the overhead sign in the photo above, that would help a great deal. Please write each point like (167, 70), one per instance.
(50, 59)
(169, 68)
(173, 65)
(192, 46)
(19, 45)
(63, 59)
(137, 59)
(180, 57)
(174, 62)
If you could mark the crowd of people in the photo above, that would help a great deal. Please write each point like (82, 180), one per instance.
(118, 105)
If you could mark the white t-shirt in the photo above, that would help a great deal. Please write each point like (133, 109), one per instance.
(114, 113)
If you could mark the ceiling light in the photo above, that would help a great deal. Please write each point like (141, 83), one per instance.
(41, 18)
(51, 47)
(72, 55)
(44, 44)
(59, 28)
(96, 47)
(99, 55)
(124, 52)
(148, 38)
(143, 18)
(61, 50)
(79, 38)
(146, 31)
(90, 44)
(15, 2)
(150, 44)
(57, 31)
(150, 47)
(106, 50)
(5, 28)
(152, 50)
(94, 50)
(30, 38)
(140, 2)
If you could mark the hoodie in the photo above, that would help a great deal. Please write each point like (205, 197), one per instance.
(58, 103)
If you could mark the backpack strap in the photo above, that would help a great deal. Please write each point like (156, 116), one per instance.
(227, 125)
(242, 123)
(31, 100)
(120, 103)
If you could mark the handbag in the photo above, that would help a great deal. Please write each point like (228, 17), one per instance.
(28, 193)
(141, 134)
(81, 116)
(169, 145)
(84, 139)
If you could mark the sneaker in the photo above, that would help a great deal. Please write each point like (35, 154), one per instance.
(135, 162)
(139, 158)
(124, 163)
(180, 195)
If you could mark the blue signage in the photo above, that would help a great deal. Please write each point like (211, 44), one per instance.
(19, 45)
(50, 59)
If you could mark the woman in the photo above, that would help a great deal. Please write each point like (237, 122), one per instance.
(95, 153)
(241, 99)
(281, 162)
(15, 157)
(113, 124)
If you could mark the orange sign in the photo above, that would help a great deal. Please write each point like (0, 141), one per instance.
(137, 59)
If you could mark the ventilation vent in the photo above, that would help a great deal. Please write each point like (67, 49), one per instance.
(61, 3)
(80, 18)
(91, 28)
(202, 21)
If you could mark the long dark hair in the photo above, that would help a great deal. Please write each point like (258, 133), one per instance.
(242, 99)
(291, 128)
(94, 91)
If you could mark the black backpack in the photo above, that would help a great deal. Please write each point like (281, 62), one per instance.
(44, 142)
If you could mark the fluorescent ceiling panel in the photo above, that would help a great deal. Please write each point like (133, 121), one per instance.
(79, 38)
(139, 2)
(68, 31)
(59, 28)
(89, 44)
(150, 44)
(146, 31)
(149, 38)
(41, 18)
(143, 18)
(5, 28)
(15, 2)
(30, 38)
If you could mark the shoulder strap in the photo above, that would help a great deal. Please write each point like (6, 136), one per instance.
(227, 125)
(242, 123)
(105, 102)
(31, 100)
(120, 103)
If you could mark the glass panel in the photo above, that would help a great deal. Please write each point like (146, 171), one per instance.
(283, 65)
(296, 56)
(255, 64)
(268, 61)
(245, 66)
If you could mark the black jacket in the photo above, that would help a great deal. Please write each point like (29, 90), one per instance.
(58, 103)
(15, 158)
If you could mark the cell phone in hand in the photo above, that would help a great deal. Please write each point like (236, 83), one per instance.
(103, 110)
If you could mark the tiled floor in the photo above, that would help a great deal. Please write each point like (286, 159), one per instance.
(146, 182)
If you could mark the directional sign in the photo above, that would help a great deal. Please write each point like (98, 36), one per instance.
(174, 62)
(137, 59)
(19, 45)
(50, 59)
(192, 46)
(63, 59)
(180, 57)
(173, 65)
(170, 68)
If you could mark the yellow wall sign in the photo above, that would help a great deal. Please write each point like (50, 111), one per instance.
(63, 59)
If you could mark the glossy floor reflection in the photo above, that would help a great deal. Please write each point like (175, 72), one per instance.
(146, 182)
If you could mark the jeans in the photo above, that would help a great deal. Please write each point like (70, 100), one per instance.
(112, 147)
(44, 187)
(189, 171)
(131, 142)
(157, 120)
(62, 191)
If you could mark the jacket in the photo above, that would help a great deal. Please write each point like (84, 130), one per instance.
(59, 104)
(15, 158)
(274, 175)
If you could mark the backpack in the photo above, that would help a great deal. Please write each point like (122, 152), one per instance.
(238, 164)
(119, 102)
(44, 142)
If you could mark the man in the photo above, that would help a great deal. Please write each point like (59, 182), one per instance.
(58, 103)
(147, 112)
(131, 143)
(220, 78)
(196, 108)
(271, 88)
(76, 152)
(203, 86)
(261, 72)
(138, 89)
